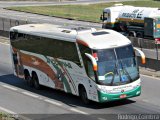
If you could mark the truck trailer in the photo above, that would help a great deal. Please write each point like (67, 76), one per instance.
(143, 22)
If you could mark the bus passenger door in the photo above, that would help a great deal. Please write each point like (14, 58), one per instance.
(90, 82)
(89, 69)
(92, 75)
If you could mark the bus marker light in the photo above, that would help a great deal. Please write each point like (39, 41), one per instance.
(138, 92)
(104, 98)
(143, 58)
(95, 56)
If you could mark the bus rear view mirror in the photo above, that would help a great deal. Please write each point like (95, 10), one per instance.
(143, 58)
(93, 60)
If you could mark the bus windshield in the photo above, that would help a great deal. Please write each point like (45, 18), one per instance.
(117, 66)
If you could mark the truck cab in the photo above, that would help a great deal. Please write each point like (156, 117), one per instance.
(110, 15)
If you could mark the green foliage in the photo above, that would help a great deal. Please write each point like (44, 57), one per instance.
(37, 0)
(86, 12)
(5, 116)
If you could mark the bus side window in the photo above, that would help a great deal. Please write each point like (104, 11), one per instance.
(87, 63)
(20, 36)
(13, 35)
(90, 71)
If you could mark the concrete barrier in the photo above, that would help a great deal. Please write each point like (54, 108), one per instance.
(5, 51)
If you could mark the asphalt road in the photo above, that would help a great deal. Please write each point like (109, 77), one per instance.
(17, 97)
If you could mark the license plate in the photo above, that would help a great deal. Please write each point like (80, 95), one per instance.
(123, 96)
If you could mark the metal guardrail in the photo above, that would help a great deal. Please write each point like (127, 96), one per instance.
(6, 24)
(147, 45)
(143, 44)
(151, 50)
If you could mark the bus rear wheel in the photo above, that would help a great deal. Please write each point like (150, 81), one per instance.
(28, 79)
(132, 34)
(36, 82)
(83, 95)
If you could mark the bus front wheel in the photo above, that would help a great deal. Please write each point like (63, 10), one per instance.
(83, 95)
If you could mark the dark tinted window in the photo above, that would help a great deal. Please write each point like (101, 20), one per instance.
(125, 52)
(83, 49)
(46, 46)
(100, 33)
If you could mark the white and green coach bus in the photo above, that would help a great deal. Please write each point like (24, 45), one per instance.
(97, 65)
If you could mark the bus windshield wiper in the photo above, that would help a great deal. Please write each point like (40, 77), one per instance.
(114, 71)
(123, 68)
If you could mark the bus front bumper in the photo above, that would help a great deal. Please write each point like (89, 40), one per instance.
(104, 97)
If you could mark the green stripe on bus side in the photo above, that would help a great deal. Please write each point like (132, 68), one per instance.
(71, 80)
(63, 78)
(112, 97)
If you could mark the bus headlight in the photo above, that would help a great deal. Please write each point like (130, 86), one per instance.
(102, 89)
(138, 92)
(137, 85)
(104, 98)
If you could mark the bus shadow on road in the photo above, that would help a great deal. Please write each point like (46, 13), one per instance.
(61, 96)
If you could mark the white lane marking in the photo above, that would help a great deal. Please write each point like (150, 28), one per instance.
(5, 43)
(36, 96)
(9, 87)
(53, 102)
(101, 119)
(30, 94)
(145, 100)
(78, 111)
(150, 77)
(8, 111)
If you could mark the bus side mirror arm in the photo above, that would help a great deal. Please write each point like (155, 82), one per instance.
(93, 60)
(143, 57)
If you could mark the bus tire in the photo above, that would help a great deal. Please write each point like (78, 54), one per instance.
(35, 81)
(28, 79)
(103, 26)
(139, 35)
(132, 34)
(83, 95)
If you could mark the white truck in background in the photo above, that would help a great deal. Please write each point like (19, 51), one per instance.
(143, 22)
